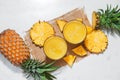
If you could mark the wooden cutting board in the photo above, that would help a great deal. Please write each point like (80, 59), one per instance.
(38, 53)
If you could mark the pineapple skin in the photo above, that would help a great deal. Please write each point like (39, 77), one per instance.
(13, 47)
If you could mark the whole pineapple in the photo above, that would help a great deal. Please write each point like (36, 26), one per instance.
(14, 49)
(108, 19)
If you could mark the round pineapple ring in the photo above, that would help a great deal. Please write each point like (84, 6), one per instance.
(55, 47)
(74, 32)
(40, 32)
(96, 41)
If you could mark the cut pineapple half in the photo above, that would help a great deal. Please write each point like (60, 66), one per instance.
(94, 19)
(61, 24)
(40, 32)
(74, 32)
(96, 41)
(80, 51)
(69, 59)
(55, 47)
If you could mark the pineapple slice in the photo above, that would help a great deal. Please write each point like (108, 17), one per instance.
(96, 41)
(55, 47)
(40, 32)
(61, 24)
(94, 19)
(80, 51)
(69, 59)
(74, 32)
(89, 29)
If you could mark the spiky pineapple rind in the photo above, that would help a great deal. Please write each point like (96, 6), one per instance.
(13, 47)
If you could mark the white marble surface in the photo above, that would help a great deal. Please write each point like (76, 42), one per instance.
(21, 14)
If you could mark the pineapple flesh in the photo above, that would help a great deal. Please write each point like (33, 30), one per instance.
(96, 41)
(13, 47)
(40, 32)
(94, 19)
(69, 59)
(79, 19)
(80, 51)
(61, 24)
(89, 29)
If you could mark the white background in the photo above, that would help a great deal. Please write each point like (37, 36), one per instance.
(20, 15)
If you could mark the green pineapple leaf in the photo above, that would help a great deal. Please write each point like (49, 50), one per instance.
(109, 19)
(38, 70)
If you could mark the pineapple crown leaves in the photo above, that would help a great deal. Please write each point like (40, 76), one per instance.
(109, 19)
(38, 70)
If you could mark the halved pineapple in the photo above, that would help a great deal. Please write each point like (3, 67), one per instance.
(74, 32)
(69, 59)
(80, 51)
(96, 41)
(61, 24)
(40, 32)
(55, 47)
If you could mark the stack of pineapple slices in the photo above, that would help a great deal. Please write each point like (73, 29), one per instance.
(74, 32)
